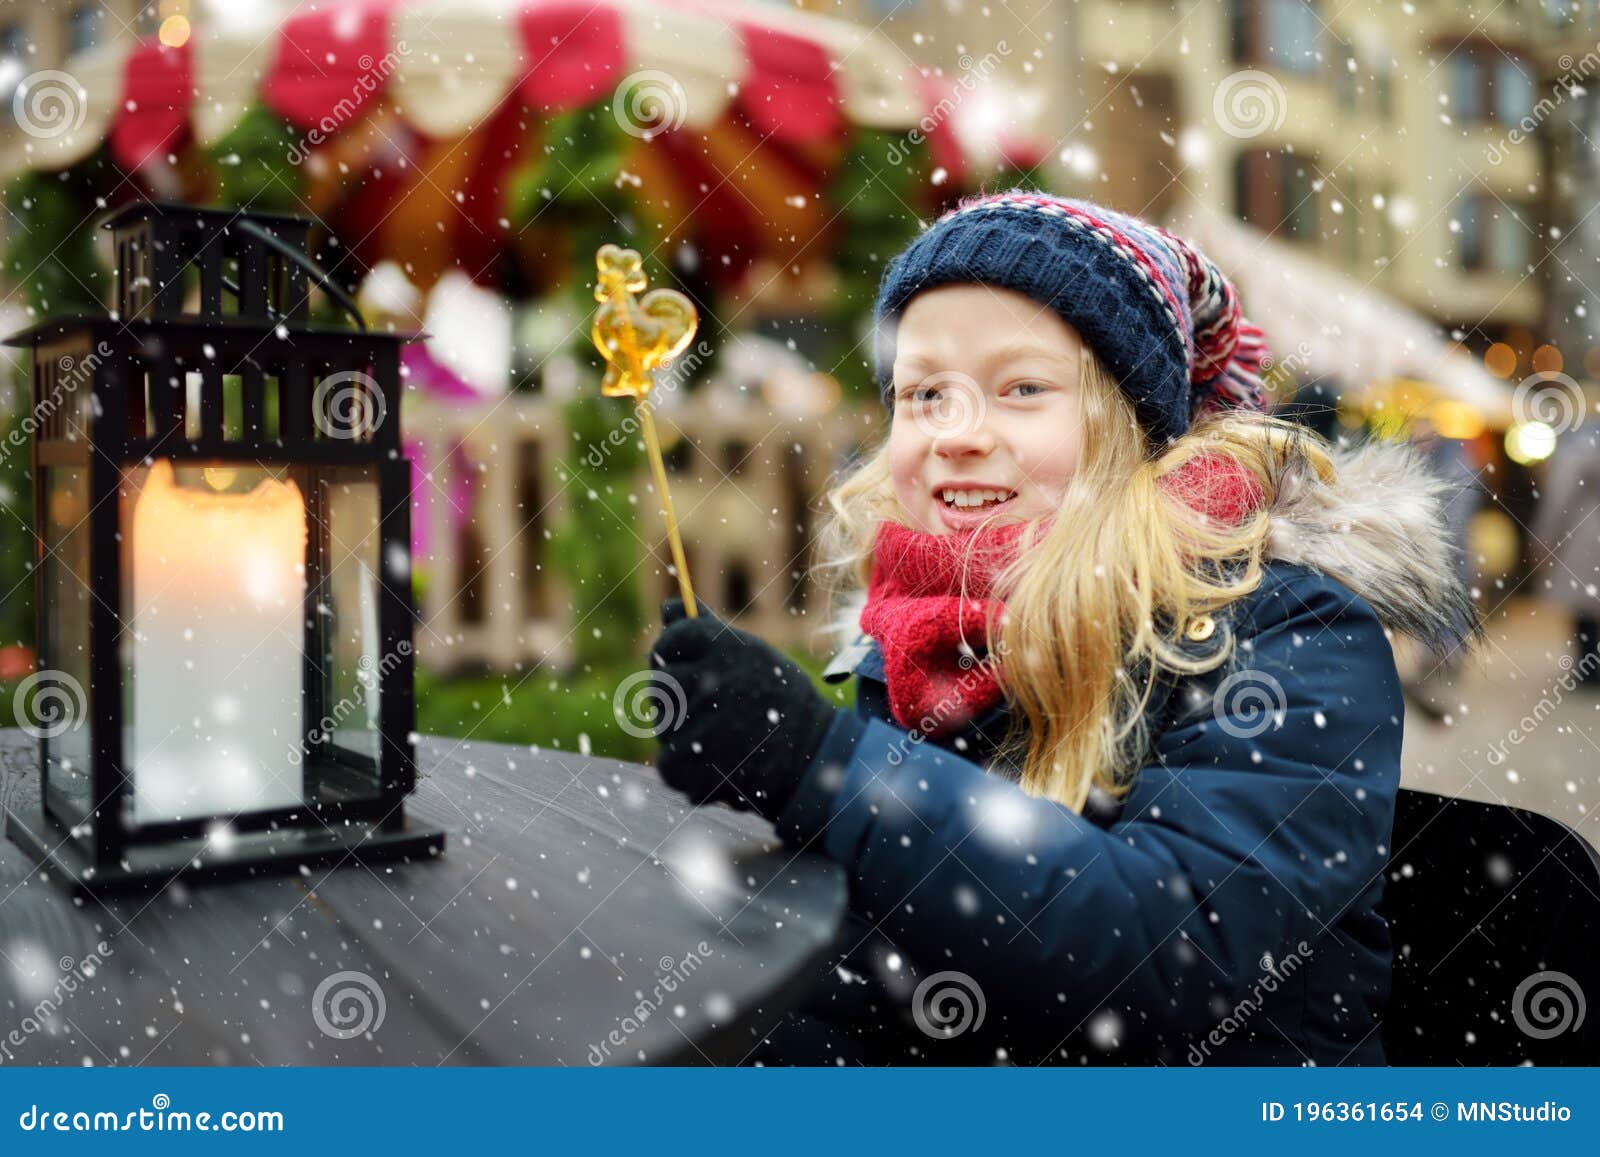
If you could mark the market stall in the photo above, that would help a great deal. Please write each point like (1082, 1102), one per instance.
(764, 161)
(495, 138)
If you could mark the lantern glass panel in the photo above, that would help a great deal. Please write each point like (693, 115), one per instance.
(243, 586)
(357, 663)
(59, 705)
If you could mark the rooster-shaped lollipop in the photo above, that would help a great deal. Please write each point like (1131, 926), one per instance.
(637, 334)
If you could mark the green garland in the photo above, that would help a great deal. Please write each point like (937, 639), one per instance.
(50, 256)
(1008, 175)
(597, 546)
(253, 164)
(571, 188)
(50, 249)
(880, 186)
(16, 545)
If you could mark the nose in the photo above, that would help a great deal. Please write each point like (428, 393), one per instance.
(957, 422)
(970, 437)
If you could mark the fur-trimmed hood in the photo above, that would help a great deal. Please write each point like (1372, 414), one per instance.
(1378, 528)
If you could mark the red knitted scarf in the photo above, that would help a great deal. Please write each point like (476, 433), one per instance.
(930, 599)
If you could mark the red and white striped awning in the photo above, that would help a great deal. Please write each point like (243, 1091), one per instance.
(446, 66)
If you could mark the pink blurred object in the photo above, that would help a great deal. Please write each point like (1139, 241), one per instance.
(428, 376)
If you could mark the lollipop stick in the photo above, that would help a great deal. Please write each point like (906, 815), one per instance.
(637, 335)
(653, 447)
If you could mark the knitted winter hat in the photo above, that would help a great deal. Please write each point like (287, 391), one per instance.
(1157, 313)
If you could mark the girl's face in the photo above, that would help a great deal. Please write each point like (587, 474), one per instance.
(987, 408)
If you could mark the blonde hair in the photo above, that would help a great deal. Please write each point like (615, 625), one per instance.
(1097, 600)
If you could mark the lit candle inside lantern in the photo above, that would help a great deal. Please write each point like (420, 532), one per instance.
(219, 582)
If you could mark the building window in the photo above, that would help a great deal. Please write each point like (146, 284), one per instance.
(1276, 192)
(1559, 13)
(1511, 238)
(1494, 236)
(1350, 221)
(1513, 90)
(1488, 85)
(1280, 34)
(1383, 89)
(84, 28)
(1466, 88)
(13, 68)
(1345, 82)
(1469, 235)
(1382, 230)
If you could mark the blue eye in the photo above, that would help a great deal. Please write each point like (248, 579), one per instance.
(1030, 386)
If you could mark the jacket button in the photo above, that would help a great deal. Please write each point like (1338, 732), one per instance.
(1200, 628)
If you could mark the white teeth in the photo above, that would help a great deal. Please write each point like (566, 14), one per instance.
(968, 498)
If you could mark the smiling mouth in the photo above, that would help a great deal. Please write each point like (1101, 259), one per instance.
(986, 499)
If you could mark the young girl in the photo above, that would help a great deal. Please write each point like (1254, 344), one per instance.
(1120, 778)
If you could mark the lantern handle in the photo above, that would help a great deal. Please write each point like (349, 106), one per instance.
(312, 269)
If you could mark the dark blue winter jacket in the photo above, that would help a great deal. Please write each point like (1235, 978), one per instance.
(1224, 912)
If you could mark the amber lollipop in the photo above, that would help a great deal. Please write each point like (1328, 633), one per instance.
(636, 333)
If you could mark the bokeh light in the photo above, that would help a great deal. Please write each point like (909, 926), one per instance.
(1500, 360)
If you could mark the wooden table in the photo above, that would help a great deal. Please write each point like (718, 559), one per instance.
(582, 914)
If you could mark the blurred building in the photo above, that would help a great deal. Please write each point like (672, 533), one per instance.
(1411, 145)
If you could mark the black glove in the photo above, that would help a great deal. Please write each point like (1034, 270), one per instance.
(738, 720)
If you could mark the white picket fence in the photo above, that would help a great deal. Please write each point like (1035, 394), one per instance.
(748, 489)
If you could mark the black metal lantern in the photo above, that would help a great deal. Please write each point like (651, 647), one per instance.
(223, 566)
